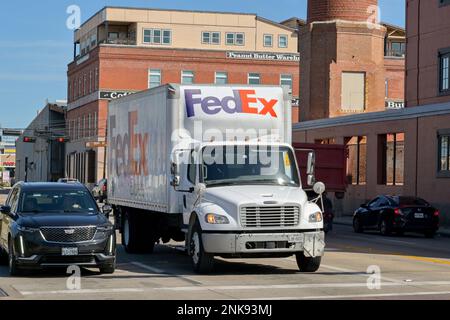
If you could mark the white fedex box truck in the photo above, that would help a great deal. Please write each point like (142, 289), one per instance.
(211, 165)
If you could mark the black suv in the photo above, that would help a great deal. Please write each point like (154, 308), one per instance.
(55, 225)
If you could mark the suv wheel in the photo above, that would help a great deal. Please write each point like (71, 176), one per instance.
(357, 227)
(385, 228)
(12, 262)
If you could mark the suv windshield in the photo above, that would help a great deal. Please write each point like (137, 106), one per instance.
(57, 201)
(271, 165)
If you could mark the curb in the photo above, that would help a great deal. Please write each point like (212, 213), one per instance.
(445, 233)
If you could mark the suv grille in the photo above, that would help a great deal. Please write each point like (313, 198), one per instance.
(68, 234)
(273, 216)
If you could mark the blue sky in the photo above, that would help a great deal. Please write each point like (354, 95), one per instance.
(36, 45)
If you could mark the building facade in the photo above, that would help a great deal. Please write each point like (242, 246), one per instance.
(122, 50)
(41, 147)
(406, 151)
(350, 63)
(8, 139)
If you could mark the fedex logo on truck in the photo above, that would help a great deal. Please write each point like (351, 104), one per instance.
(242, 101)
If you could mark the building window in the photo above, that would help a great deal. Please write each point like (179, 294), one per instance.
(90, 81)
(221, 78)
(79, 86)
(235, 38)
(211, 37)
(386, 88)
(187, 77)
(444, 2)
(95, 124)
(356, 160)
(444, 73)
(283, 41)
(96, 79)
(254, 78)
(444, 152)
(167, 37)
(89, 125)
(353, 93)
(154, 78)
(157, 36)
(286, 80)
(392, 155)
(268, 40)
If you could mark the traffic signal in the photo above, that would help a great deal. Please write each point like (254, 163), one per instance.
(29, 139)
(62, 140)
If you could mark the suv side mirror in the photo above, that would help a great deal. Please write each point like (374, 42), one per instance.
(107, 209)
(5, 210)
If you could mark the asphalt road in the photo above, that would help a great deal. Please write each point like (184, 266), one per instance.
(411, 267)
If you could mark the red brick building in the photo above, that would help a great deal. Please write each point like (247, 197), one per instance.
(122, 50)
(119, 51)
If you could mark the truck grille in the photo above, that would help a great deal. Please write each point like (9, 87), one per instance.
(273, 216)
(68, 234)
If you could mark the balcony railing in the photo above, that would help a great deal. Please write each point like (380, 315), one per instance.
(127, 42)
(394, 53)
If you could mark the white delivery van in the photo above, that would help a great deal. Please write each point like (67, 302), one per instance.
(211, 165)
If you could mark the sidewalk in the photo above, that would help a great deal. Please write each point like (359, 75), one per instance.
(348, 221)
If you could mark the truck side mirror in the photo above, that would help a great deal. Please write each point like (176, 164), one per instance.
(311, 163)
(319, 188)
(310, 168)
(5, 210)
(175, 181)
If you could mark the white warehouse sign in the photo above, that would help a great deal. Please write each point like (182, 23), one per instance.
(263, 56)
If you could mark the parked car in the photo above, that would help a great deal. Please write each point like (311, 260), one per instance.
(397, 214)
(68, 180)
(100, 190)
(52, 225)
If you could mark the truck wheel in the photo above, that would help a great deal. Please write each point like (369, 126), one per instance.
(430, 234)
(307, 264)
(3, 257)
(133, 235)
(201, 261)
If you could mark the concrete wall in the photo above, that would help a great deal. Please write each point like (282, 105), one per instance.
(420, 176)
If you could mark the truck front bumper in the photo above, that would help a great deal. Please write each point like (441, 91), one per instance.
(311, 243)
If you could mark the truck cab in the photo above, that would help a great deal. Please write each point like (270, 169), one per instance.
(245, 199)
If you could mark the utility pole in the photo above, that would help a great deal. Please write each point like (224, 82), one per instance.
(26, 169)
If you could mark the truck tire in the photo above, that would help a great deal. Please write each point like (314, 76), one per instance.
(307, 264)
(135, 239)
(202, 262)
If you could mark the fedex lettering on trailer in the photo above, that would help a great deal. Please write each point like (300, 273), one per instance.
(242, 101)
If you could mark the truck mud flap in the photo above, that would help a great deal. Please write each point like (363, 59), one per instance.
(314, 244)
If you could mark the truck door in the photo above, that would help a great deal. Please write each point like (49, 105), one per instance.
(187, 172)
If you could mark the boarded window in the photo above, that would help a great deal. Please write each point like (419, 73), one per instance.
(356, 160)
(392, 158)
(353, 91)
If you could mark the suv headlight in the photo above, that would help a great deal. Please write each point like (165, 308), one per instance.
(27, 229)
(315, 217)
(105, 228)
(212, 218)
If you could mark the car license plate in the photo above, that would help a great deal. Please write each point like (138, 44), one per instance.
(418, 215)
(69, 251)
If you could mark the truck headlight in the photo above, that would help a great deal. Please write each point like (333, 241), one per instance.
(212, 218)
(315, 217)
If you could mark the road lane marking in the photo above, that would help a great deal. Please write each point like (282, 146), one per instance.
(426, 259)
(240, 287)
(350, 296)
(148, 268)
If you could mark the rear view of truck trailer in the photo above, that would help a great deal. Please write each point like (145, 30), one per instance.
(212, 166)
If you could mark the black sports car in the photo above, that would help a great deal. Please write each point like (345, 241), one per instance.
(397, 214)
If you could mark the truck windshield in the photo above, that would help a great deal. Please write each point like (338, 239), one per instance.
(270, 165)
(57, 201)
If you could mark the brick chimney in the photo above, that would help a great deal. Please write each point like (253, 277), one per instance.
(341, 59)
